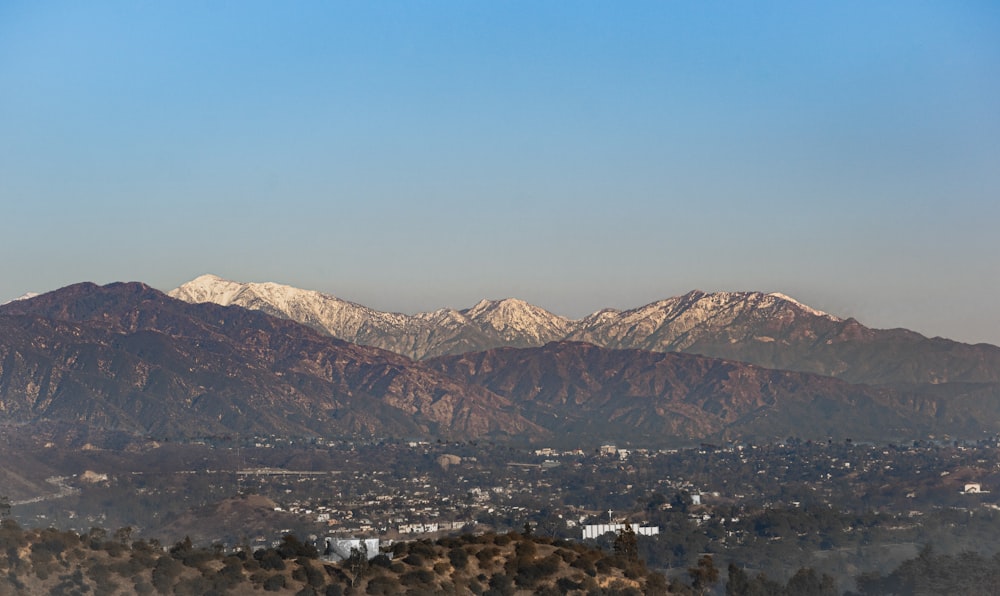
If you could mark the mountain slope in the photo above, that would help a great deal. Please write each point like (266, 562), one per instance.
(127, 356)
(584, 390)
(775, 331)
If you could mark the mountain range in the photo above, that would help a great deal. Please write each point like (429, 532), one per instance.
(128, 357)
(770, 330)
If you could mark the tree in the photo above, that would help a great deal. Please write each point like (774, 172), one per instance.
(124, 535)
(626, 544)
(357, 562)
(807, 583)
(681, 501)
(737, 583)
(705, 575)
(4, 507)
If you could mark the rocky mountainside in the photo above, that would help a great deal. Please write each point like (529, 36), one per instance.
(126, 356)
(770, 330)
(578, 389)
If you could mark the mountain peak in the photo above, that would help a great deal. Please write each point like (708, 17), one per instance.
(518, 322)
(503, 305)
(208, 288)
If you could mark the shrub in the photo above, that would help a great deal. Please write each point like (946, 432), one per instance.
(449, 542)
(501, 585)
(459, 558)
(586, 565)
(165, 574)
(193, 586)
(259, 577)
(568, 585)
(417, 577)
(274, 583)
(383, 584)
(549, 591)
(487, 554)
(291, 547)
(232, 568)
(314, 577)
(423, 548)
(270, 559)
(525, 549)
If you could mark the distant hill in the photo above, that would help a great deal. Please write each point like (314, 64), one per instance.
(770, 330)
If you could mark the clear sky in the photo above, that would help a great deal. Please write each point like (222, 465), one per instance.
(578, 155)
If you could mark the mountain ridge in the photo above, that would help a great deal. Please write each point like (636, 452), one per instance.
(767, 329)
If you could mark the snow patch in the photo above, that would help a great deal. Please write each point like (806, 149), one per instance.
(808, 309)
(26, 296)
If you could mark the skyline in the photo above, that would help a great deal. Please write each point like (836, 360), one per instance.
(576, 156)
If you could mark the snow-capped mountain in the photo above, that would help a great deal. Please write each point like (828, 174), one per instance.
(487, 325)
(766, 329)
(677, 324)
(340, 318)
(519, 323)
(125, 356)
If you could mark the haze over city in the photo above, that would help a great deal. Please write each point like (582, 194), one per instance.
(575, 155)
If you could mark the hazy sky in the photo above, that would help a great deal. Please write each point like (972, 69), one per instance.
(411, 156)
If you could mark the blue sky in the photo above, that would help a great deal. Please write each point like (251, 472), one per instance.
(578, 155)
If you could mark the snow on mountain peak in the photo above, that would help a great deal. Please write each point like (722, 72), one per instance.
(25, 296)
(804, 307)
(518, 321)
(208, 288)
(669, 324)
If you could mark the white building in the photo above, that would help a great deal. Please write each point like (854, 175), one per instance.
(595, 530)
(418, 528)
(338, 549)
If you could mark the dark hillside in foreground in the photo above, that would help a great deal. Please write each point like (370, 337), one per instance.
(99, 562)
